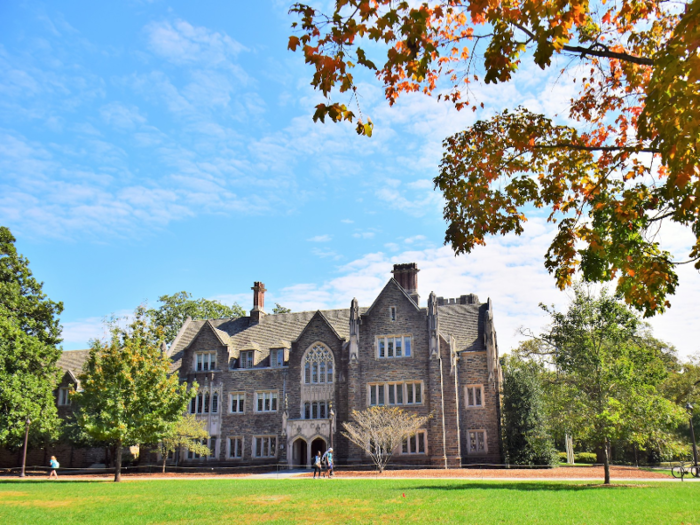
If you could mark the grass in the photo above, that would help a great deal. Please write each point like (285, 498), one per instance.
(345, 501)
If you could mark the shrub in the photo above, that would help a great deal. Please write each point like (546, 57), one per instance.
(562, 457)
(586, 457)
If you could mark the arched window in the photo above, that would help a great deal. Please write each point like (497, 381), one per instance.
(215, 403)
(206, 403)
(318, 365)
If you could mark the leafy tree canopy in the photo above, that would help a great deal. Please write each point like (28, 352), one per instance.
(176, 308)
(29, 333)
(188, 432)
(626, 159)
(279, 309)
(608, 373)
(129, 396)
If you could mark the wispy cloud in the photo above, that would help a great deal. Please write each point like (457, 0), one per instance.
(321, 238)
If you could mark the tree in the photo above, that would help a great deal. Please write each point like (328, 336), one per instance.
(526, 435)
(625, 159)
(188, 432)
(176, 308)
(129, 396)
(279, 309)
(29, 335)
(609, 376)
(380, 431)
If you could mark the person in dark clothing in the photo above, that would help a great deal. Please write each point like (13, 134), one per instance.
(317, 465)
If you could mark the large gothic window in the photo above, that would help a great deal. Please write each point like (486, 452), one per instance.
(318, 365)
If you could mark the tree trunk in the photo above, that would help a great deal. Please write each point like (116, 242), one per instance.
(606, 461)
(118, 463)
(165, 458)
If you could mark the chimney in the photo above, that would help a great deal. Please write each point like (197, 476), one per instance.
(258, 311)
(407, 276)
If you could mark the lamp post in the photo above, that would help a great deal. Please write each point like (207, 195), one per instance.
(24, 453)
(689, 408)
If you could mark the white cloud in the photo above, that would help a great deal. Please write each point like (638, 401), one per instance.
(509, 270)
(121, 116)
(184, 44)
(363, 235)
(321, 238)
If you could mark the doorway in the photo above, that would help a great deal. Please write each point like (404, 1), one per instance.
(299, 453)
(318, 445)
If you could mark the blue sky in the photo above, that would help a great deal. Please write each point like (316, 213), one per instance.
(153, 147)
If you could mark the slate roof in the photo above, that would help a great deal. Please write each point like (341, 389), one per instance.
(465, 322)
(73, 360)
(272, 330)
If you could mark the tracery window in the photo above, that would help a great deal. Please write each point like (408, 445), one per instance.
(318, 365)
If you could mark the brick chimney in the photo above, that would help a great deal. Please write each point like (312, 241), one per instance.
(407, 276)
(258, 311)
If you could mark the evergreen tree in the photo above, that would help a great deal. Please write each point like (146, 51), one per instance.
(129, 396)
(29, 335)
(526, 436)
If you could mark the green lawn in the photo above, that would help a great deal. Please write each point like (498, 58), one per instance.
(345, 501)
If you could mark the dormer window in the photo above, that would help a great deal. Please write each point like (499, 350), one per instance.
(392, 313)
(246, 359)
(277, 358)
(205, 361)
(63, 397)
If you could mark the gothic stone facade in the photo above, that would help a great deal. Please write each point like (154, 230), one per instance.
(276, 388)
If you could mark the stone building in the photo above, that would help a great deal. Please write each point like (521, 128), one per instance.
(276, 388)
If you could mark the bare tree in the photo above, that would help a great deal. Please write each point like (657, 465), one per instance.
(380, 431)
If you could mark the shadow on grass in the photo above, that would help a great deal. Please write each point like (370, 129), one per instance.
(530, 486)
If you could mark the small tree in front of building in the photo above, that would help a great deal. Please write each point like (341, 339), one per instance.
(380, 431)
(129, 395)
(189, 433)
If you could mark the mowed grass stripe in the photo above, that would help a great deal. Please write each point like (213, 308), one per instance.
(349, 501)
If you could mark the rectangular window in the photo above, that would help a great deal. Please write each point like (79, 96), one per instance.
(212, 447)
(477, 441)
(391, 346)
(277, 358)
(246, 360)
(407, 393)
(392, 313)
(266, 401)
(235, 448)
(63, 397)
(415, 444)
(205, 361)
(265, 446)
(475, 396)
(237, 403)
(211, 443)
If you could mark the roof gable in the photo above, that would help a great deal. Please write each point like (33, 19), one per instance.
(393, 282)
(324, 319)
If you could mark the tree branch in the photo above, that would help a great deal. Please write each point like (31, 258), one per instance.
(581, 147)
(604, 53)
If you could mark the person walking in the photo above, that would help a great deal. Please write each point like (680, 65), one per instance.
(54, 465)
(317, 465)
(328, 460)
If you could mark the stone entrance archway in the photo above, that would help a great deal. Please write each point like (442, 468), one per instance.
(300, 452)
(318, 445)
